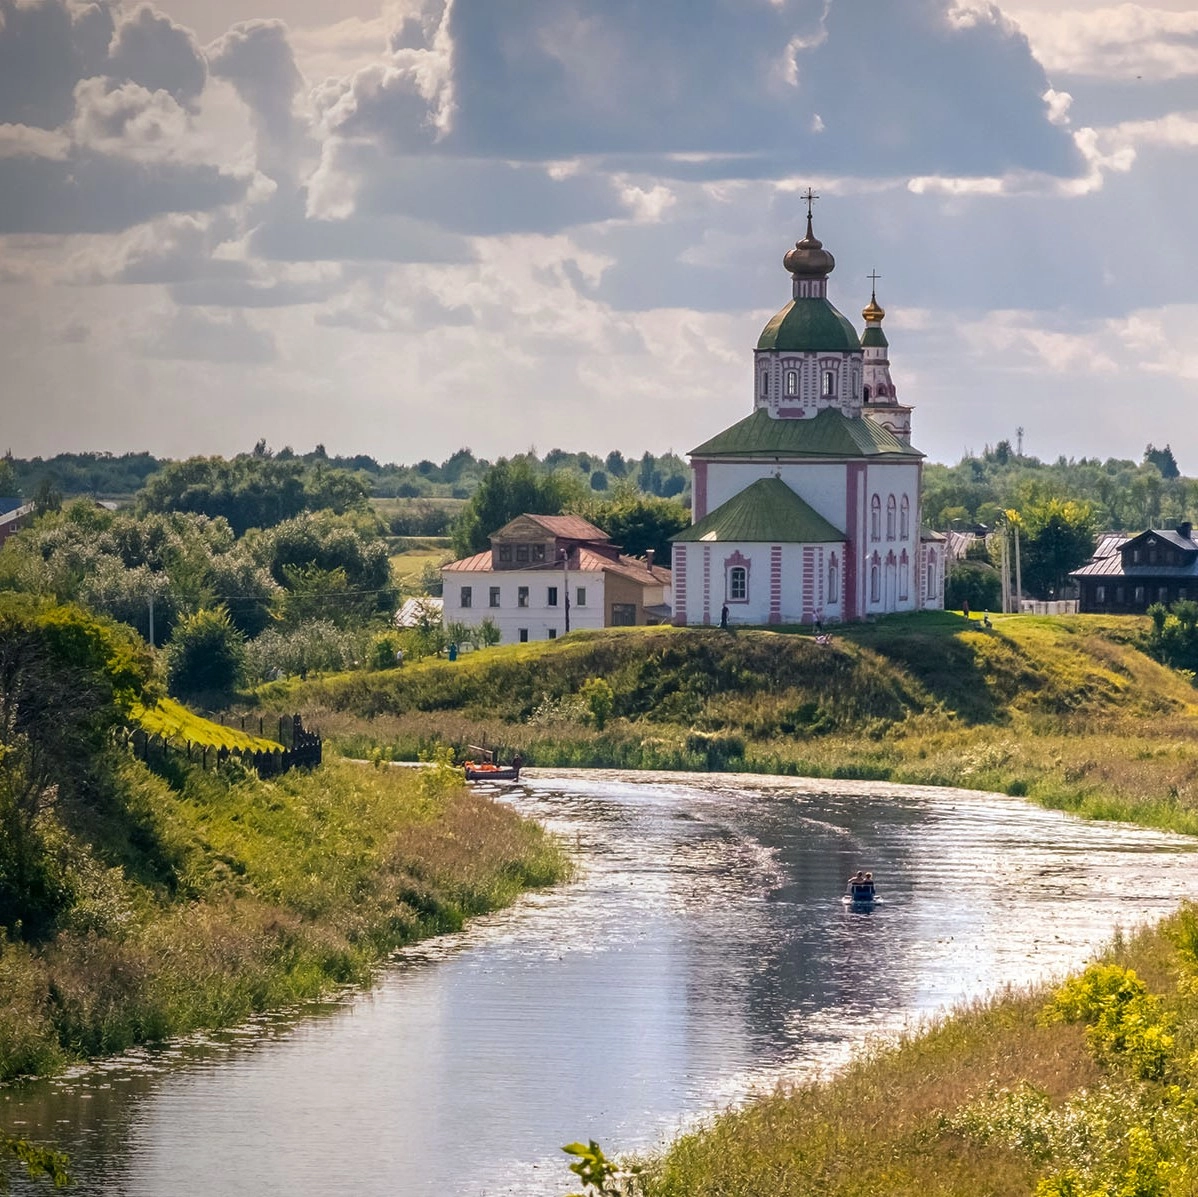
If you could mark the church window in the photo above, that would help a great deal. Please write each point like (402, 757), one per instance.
(931, 582)
(904, 573)
(738, 584)
(829, 382)
(875, 580)
(833, 580)
(866, 394)
(875, 518)
(792, 382)
(467, 596)
(765, 385)
(905, 518)
(890, 509)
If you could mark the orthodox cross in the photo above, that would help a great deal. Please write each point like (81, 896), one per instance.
(809, 197)
(873, 277)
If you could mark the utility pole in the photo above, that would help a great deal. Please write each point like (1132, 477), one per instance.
(566, 585)
(1018, 574)
(1019, 442)
(1006, 571)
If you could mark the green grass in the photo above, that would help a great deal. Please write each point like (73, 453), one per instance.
(278, 891)
(1000, 1098)
(1063, 710)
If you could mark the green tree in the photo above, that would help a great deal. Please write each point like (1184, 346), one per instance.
(1163, 459)
(205, 656)
(1058, 536)
(510, 488)
(638, 522)
(600, 699)
(975, 582)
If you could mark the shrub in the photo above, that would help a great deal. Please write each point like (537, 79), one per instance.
(206, 655)
(599, 697)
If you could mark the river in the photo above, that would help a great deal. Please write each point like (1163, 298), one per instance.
(702, 953)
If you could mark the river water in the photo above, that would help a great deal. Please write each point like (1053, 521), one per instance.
(701, 954)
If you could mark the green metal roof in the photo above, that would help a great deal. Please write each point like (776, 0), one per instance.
(872, 337)
(767, 512)
(809, 326)
(829, 434)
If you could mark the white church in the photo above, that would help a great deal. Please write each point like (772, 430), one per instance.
(807, 510)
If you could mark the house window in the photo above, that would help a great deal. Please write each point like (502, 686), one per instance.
(623, 615)
(875, 518)
(1135, 556)
(551, 597)
(1152, 556)
(1100, 594)
(522, 553)
(553, 633)
(829, 382)
(581, 597)
(523, 633)
(792, 382)
(833, 580)
(890, 512)
(875, 581)
(738, 584)
(505, 553)
(538, 552)
(494, 596)
(905, 518)
(1162, 594)
(1118, 596)
(1139, 596)
(467, 596)
(521, 596)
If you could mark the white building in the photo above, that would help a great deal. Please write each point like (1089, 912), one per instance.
(808, 509)
(545, 575)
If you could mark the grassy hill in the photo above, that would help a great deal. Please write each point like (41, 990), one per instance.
(1064, 709)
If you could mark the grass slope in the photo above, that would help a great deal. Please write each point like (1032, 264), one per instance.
(1063, 709)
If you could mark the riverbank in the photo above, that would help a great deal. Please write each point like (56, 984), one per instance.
(237, 895)
(1063, 710)
(1082, 1091)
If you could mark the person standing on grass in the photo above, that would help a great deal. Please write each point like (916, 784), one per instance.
(965, 608)
(724, 617)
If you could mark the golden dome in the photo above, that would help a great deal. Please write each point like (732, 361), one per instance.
(873, 311)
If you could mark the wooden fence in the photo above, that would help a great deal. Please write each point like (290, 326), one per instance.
(302, 748)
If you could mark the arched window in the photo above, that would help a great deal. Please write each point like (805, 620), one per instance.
(866, 394)
(833, 580)
(792, 382)
(904, 572)
(890, 510)
(875, 518)
(905, 518)
(738, 584)
(875, 580)
(765, 385)
(829, 382)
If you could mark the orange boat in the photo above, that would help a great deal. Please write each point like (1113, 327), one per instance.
(488, 772)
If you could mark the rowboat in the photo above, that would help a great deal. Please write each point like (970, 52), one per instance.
(486, 772)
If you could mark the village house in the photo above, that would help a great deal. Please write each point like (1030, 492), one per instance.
(1127, 574)
(545, 575)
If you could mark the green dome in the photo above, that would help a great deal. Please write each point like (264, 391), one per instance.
(873, 338)
(810, 326)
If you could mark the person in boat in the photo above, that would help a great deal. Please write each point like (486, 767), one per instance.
(517, 762)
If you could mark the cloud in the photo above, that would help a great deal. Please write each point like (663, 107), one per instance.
(46, 47)
(906, 88)
(192, 334)
(256, 57)
(1124, 41)
(150, 49)
(128, 120)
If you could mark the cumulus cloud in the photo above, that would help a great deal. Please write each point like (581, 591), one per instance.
(256, 57)
(150, 49)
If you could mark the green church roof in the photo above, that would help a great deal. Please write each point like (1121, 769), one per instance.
(767, 512)
(829, 434)
(809, 326)
(872, 337)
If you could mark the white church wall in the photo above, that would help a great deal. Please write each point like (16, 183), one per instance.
(819, 484)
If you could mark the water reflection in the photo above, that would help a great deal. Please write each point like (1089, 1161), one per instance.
(702, 951)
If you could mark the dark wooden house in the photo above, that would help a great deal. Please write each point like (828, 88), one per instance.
(1127, 575)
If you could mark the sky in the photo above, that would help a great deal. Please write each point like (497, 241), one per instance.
(406, 227)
